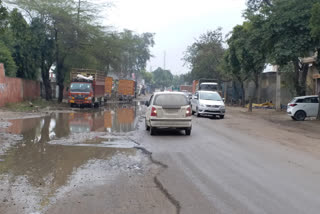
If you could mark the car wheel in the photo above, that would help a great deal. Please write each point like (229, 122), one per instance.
(300, 115)
(197, 111)
(188, 131)
(152, 130)
(221, 116)
(147, 127)
(293, 118)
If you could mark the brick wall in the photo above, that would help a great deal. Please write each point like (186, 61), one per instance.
(13, 90)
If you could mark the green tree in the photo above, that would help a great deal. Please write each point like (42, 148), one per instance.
(22, 49)
(147, 76)
(315, 33)
(3, 17)
(162, 78)
(43, 49)
(7, 60)
(288, 35)
(205, 55)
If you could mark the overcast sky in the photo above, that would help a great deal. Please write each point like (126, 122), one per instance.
(176, 24)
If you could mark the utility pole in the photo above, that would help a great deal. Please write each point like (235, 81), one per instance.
(278, 91)
(164, 60)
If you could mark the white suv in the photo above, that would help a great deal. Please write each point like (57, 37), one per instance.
(301, 107)
(168, 110)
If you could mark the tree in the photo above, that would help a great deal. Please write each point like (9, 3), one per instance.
(22, 47)
(315, 33)
(147, 76)
(3, 17)
(245, 59)
(287, 35)
(162, 78)
(66, 20)
(43, 51)
(7, 60)
(205, 55)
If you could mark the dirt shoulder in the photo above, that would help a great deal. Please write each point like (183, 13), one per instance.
(276, 126)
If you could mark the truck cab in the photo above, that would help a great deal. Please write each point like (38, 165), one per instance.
(81, 93)
(86, 87)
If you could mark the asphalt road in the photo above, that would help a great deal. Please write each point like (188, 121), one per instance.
(220, 169)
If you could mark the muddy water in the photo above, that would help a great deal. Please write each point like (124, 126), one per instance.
(33, 171)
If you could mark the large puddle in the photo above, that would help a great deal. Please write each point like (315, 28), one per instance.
(35, 166)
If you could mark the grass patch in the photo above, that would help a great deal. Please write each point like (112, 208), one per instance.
(31, 106)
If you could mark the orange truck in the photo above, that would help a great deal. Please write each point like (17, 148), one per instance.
(108, 87)
(87, 87)
(187, 88)
(126, 89)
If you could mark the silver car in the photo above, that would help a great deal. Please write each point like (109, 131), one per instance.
(208, 103)
(168, 110)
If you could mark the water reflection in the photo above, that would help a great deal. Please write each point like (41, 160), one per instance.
(47, 166)
(58, 125)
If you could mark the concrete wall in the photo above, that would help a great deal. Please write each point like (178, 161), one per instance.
(13, 90)
(267, 89)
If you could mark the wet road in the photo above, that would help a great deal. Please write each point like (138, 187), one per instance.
(99, 162)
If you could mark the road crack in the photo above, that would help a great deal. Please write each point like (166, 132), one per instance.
(158, 183)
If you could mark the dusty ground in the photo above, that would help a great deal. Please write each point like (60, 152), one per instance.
(278, 127)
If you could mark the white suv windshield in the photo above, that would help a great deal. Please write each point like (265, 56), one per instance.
(210, 96)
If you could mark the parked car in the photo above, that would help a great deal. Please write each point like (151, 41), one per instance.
(168, 110)
(208, 103)
(301, 107)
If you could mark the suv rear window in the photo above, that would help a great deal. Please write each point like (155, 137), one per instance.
(170, 100)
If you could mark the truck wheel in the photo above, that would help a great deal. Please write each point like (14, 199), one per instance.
(71, 105)
(221, 116)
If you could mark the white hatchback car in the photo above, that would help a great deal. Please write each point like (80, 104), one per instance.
(168, 110)
(301, 107)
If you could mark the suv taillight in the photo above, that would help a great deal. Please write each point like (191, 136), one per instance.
(189, 112)
(292, 105)
(153, 112)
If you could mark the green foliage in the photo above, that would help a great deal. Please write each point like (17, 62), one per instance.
(3, 17)
(315, 21)
(162, 78)
(147, 76)
(22, 46)
(205, 55)
(7, 60)
(70, 36)
(315, 29)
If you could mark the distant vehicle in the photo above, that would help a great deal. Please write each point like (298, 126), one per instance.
(87, 87)
(126, 90)
(187, 88)
(205, 85)
(108, 87)
(208, 103)
(301, 107)
(168, 110)
(188, 94)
